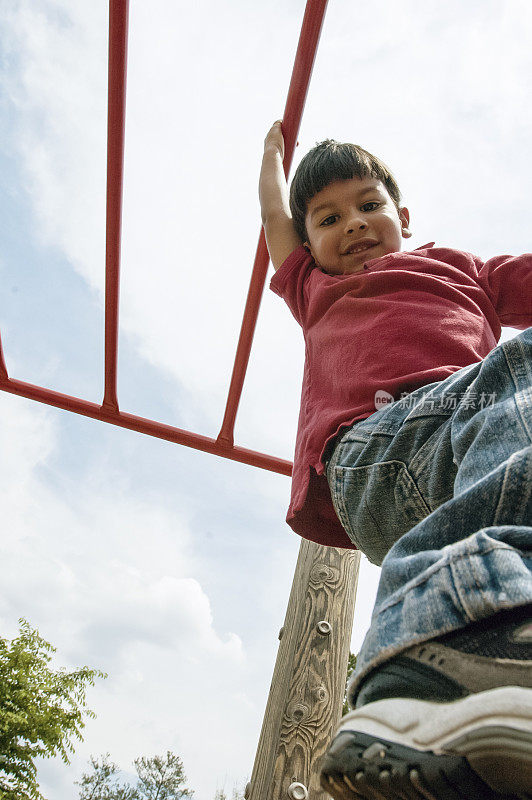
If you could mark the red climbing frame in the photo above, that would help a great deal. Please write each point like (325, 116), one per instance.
(109, 411)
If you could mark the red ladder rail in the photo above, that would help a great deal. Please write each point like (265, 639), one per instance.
(116, 125)
(109, 411)
(295, 102)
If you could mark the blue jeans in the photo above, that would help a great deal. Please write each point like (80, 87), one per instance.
(437, 487)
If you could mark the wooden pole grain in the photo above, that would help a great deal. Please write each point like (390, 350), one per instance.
(306, 695)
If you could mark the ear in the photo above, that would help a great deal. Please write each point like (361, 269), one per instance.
(307, 246)
(404, 216)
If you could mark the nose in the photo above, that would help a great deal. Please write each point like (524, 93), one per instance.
(355, 222)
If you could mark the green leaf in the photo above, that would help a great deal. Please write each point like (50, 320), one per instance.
(42, 711)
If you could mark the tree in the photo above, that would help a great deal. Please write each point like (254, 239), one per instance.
(221, 795)
(351, 664)
(102, 784)
(161, 778)
(42, 710)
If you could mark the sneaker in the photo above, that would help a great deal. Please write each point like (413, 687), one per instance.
(450, 719)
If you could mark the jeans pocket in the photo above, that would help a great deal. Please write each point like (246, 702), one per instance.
(377, 504)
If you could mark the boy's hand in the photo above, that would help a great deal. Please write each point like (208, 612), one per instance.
(274, 139)
(281, 236)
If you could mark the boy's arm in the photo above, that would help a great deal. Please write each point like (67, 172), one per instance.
(281, 236)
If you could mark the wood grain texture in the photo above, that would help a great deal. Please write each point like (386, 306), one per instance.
(306, 695)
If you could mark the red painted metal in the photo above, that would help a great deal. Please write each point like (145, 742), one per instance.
(297, 93)
(116, 124)
(148, 426)
(109, 411)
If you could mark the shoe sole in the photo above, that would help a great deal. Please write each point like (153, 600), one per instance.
(476, 748)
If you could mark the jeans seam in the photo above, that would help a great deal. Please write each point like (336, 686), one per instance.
(500, 502)
(404, 479)
(423, 507)
(338, 503)
(508, 349)
(457, 583)
(447, 561)
(522, 418)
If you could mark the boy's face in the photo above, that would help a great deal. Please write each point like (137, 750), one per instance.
(353, 221)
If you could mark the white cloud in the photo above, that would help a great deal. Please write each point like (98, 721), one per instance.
(111, 558)
(57, 84)
(107, 579)
(187, 251)
(437, 95)
(108, 572)
(27, 436)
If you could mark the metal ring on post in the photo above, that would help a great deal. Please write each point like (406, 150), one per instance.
(297, 791)
(324, 627)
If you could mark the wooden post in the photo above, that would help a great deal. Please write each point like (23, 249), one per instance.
(306, 695)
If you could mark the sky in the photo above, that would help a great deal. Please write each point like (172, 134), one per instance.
(167, 568)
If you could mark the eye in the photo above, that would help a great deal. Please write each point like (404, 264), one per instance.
(370, 206)
(330, 220)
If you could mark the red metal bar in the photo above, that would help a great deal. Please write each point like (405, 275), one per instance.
(295, 102)
(147, 426)
(116, 117)
(108, 411)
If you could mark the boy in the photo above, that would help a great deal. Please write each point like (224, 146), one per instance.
(435, 485)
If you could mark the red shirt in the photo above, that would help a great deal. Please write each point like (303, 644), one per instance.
(404, 321)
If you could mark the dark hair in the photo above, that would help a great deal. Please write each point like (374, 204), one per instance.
(333, 161)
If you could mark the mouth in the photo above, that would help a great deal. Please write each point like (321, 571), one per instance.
(360, 247)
